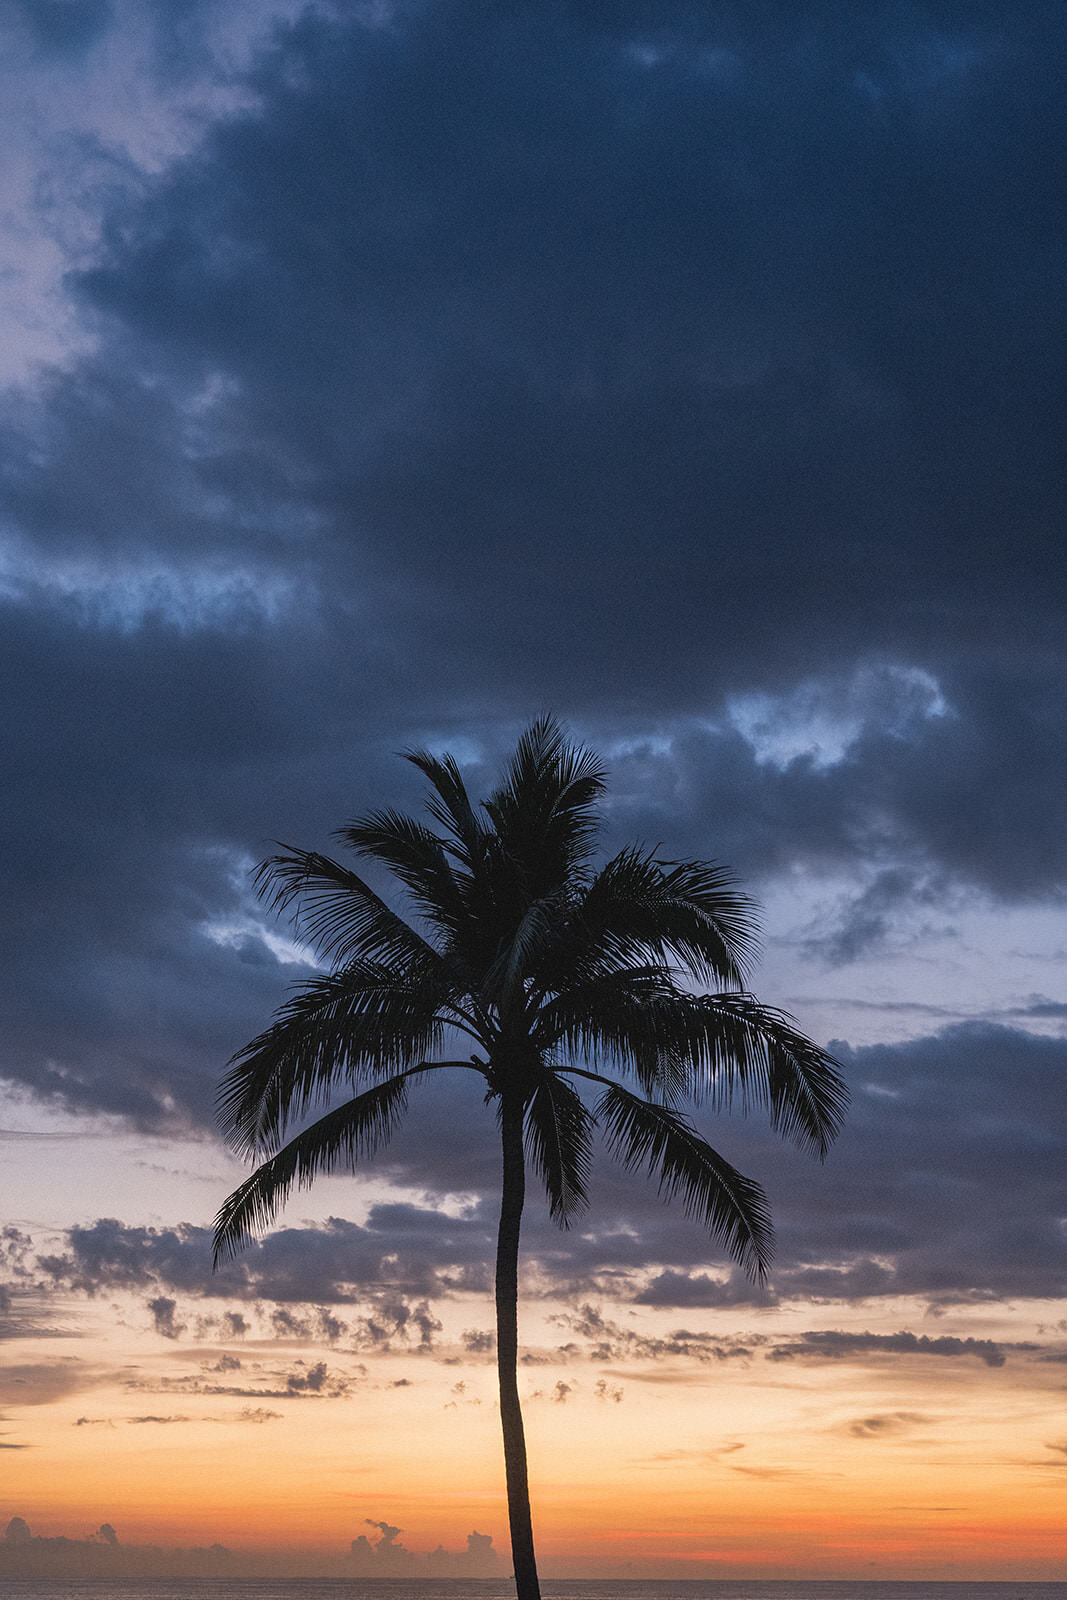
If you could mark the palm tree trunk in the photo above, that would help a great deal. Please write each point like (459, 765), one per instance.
(513, 1193)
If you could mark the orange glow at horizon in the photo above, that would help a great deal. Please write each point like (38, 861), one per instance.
(905, 1468)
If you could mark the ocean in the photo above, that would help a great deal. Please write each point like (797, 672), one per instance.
(499, 1589)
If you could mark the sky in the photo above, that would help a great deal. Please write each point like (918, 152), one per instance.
(387, 374)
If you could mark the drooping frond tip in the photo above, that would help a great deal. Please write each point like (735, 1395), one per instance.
(558, 1140)
(338, 1140)
(754, 1054)
(732, 1207)
(359, 1022)
(450, 805)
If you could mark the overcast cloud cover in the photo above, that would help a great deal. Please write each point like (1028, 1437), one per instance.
(386, 374)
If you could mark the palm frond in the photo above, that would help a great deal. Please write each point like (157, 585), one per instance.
(544, 813)
(416, 856)
(732, 1207)
(519, 956)
(363, 1020)
(340, 1139)
(742, 1050)
(450, 805)
(621, 1018)
(558, 1128)
(339, 914)
(638, 909)
(711, 925)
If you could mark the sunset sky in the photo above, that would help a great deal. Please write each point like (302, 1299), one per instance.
(378, 375)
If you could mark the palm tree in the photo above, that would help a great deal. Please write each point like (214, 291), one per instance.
(553, 971)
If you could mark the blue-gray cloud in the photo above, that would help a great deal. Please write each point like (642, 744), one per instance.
(55, 28)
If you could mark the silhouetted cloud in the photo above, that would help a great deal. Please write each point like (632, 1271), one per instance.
(831, 1345)
(386, 1556)
(603, 1340)
(887, 1423)
(678, 1356)
(163, 1312)
(252, 1414)
(259, 1381)
(102, 1555)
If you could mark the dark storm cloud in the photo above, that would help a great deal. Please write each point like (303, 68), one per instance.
(618, 360)
(672, 1288)
(948, 1173)
(125, 857)
(925, 799)
(946, 1183)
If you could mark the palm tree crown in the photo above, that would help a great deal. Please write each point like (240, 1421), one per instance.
(561, 975)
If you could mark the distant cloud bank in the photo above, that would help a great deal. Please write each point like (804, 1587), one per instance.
(26, 1555)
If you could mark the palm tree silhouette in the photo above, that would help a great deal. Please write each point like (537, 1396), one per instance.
(554, 971)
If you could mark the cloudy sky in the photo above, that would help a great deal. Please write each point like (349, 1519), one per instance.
(385, 374)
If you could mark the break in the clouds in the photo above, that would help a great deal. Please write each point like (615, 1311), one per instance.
(689, 371)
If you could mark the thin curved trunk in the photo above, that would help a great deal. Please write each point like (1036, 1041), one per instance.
(513, 1192)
